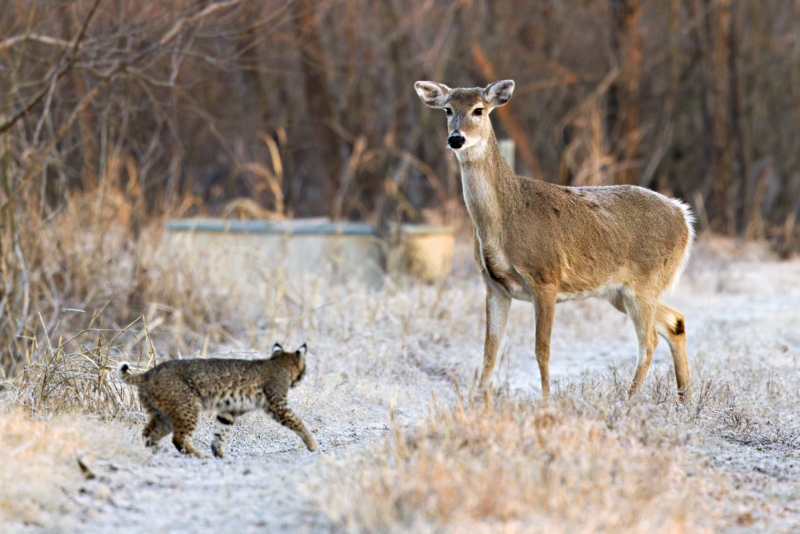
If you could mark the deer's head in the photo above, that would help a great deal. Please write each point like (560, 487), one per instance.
(467, 110)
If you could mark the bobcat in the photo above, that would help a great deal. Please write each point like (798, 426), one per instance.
(174, 392)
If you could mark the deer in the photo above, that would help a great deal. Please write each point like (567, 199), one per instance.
(545, 243)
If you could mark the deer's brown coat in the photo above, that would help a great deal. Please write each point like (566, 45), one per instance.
(546, 243)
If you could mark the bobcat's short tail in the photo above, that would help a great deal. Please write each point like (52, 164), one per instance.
(124, 375)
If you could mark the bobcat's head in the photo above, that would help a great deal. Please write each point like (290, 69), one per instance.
(296, 361)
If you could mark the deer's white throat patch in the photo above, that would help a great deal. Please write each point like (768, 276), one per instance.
(472, 152)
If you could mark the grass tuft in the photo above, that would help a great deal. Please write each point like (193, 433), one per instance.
(45, 454)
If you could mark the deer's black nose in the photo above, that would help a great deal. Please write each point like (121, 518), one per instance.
(456, 141)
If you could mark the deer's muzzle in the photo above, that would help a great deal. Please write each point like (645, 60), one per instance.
(456, 141)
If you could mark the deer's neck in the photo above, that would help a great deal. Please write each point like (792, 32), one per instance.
(484, 176)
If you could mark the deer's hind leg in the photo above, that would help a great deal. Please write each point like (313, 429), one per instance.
(671, 325)
(642, 311)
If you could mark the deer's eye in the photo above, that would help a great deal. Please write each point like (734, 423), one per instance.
(478, 112)
(448, 111)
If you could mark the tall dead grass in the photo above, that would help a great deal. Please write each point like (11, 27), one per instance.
(71, 301)
(77, 375)
(39, 470)
(88, 283)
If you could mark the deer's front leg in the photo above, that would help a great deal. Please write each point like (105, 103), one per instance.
(497, 306)
(544, 301)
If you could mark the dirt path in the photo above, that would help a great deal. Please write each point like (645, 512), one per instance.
(733, 307)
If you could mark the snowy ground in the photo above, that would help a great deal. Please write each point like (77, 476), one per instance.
(736, 303)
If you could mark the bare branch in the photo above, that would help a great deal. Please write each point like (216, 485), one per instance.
(82, 31)
(34, 168)
(33, 101)
(4, 127)
(44, 39)
(180, 23)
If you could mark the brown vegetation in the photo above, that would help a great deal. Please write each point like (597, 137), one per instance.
(39, 463)
(696, 98)
(116, 115)
(588, 461)
(124, 111)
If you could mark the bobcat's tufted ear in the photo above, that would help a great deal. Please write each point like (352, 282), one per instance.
(276, 348)
(302, 350)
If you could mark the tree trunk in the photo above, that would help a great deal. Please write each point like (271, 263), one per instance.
(663, 180)
(319, 101)
(722, 153)
(256, 110)
(625, 93)
(715, 55)
(744, 204)
(84, 117)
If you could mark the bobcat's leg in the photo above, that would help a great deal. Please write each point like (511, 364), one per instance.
(184, 416)
(278, 410)
(157, 426)
(222, 426)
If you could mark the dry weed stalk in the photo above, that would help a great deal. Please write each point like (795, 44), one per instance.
(76, 375)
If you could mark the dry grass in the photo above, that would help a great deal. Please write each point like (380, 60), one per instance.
(39, 467)
(78, 374)
(528, 468)
(588, 461)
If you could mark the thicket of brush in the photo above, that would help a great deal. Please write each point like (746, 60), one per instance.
(294, 104)
(116, 113)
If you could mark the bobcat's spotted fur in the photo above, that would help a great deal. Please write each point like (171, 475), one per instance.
(174, 393)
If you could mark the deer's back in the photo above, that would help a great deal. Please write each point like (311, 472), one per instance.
(584, 237)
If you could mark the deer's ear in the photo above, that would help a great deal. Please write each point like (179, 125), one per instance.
(276, 348)
(498, 93)
(432, 94)
(302, 350)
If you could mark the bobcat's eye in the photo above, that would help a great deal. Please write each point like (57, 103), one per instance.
(448, 111)
(478, 112)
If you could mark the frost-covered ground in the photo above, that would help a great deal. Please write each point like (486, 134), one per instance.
(371, 356)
